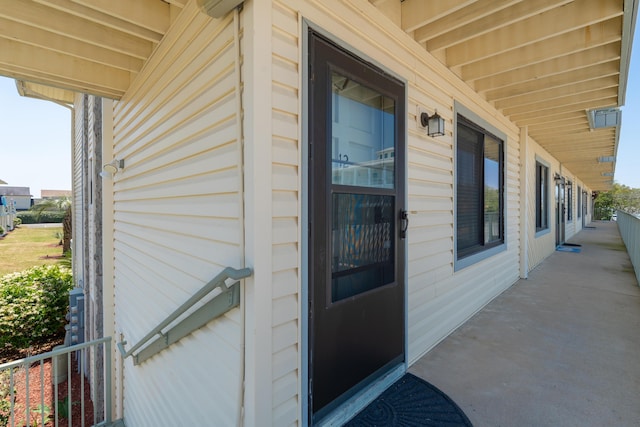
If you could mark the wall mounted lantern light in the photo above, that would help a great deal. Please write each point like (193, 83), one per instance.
(110, 168)
(434, 123)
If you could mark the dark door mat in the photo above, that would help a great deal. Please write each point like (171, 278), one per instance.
(571, 244)
(411, 402)
(590, 227)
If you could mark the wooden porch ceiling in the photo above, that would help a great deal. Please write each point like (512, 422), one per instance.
(91, 46)
(542, 63)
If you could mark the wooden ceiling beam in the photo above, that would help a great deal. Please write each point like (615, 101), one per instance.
(559, 124)
(15, 55)
(565, 142)
(550, 24)
(583, 139)
(556, 47)
(55, 21)
(586, 165)
(526, 117)
(566, 129)
(461, 18)
(487, 24)
(40, 77)
(151, 14)
(179, 3)
(585, 97)
(557, 118)
(589, 137)
(418, 13)
(571, 75)
(36, 76)
(553, 92)
(92, 15)
(50, 41)
(569, 150)
(36, 90)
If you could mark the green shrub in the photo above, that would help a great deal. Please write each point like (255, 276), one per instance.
(1, 230)
(33, 305)
(6, 391)
(31, 217)
(17, 221)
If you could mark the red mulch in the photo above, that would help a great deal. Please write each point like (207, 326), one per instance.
(39, 371)
(9, 353)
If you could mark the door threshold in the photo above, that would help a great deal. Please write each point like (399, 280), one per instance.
(362, 399)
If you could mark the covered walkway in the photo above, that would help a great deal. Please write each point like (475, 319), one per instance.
(561, 348)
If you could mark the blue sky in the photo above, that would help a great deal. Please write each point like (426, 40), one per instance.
(35, 137)
(35, 141)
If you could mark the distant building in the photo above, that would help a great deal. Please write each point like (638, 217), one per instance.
(54, 194)
(21, 196)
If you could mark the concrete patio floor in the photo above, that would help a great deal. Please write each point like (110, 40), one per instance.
(561, 348)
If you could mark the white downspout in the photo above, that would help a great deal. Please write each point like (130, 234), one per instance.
(240, 138)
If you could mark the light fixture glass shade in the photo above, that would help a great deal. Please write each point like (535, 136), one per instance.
(110, 168)
(113, 166)
(436, 125)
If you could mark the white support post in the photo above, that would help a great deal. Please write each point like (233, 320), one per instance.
(108, 287)
(257, 101)
(524, 202)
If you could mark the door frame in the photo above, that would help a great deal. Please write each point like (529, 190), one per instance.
(361, 399)
(560, 194)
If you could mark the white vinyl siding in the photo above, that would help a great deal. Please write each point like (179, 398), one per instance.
(78, 189)
(286, 208)
(541, 242)
(178, 221)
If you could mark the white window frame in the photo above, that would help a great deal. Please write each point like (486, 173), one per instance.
(547, 229)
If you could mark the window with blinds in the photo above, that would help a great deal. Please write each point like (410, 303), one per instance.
(579, 204)
(542, 197)
(479, 189)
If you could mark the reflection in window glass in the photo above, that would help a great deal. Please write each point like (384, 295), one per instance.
(542, 197)
(362, 242)
(363, 135)
(492, 150)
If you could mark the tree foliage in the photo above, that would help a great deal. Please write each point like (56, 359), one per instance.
(620, 197)
(60, 204)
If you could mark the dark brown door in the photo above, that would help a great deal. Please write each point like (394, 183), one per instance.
(356, 202)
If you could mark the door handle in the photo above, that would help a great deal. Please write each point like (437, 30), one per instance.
(404, 223)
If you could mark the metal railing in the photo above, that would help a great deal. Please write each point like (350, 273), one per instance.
(228, 298)
(47, 387)
(629, 227)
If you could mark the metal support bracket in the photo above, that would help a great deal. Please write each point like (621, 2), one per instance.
(159, 339)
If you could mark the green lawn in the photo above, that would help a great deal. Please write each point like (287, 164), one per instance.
(27, 247)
